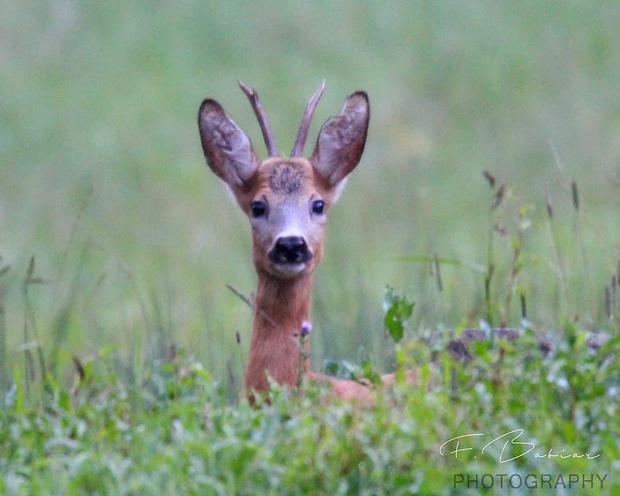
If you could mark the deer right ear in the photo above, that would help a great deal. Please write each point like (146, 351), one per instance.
(342, 139)
(227, 148)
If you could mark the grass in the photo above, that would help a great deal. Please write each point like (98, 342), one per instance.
(117, 243)
(174, 431)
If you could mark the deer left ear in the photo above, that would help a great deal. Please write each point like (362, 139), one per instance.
(342, 139)
(227, 148)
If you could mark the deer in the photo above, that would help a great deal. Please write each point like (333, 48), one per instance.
(287, 201)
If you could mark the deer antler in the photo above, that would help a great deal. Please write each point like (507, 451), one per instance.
(302, 134)
(270, 141)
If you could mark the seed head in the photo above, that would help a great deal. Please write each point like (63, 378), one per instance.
(306, 328)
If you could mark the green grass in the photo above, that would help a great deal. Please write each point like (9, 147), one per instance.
(174, 432)
(117, 242)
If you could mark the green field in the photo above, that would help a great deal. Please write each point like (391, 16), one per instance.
(117, 242)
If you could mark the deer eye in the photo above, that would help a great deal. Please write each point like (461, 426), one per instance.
(259, 208)
(318, 206)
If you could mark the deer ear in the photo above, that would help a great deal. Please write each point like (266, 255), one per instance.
(342, 139)
(227, 148)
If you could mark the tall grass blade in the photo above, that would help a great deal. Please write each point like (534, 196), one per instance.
(3, 335)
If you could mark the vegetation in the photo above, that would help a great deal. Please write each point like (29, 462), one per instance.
(488, 196)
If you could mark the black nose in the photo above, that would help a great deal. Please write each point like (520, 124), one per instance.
(290, 249)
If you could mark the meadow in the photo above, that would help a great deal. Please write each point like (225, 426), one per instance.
(488, 195)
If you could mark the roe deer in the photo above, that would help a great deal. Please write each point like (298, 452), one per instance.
(287, 201)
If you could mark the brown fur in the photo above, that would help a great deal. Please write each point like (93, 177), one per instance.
(286, 178)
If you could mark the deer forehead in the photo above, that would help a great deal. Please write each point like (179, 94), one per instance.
(289, 179)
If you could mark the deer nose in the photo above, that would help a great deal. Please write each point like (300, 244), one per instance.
(290, 249)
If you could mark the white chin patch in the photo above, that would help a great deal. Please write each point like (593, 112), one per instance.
(289, 269)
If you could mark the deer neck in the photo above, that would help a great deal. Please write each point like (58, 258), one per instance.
(281, 306)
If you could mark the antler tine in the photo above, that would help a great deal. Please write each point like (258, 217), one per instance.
(270, 141)
(302, 134)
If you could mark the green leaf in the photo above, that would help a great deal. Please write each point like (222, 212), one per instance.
(398, 310)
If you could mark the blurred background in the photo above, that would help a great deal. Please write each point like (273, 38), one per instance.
(103, 181)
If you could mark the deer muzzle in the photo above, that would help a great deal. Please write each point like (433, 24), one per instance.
(291, 250)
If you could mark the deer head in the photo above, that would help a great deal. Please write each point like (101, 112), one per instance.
(285, 199)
